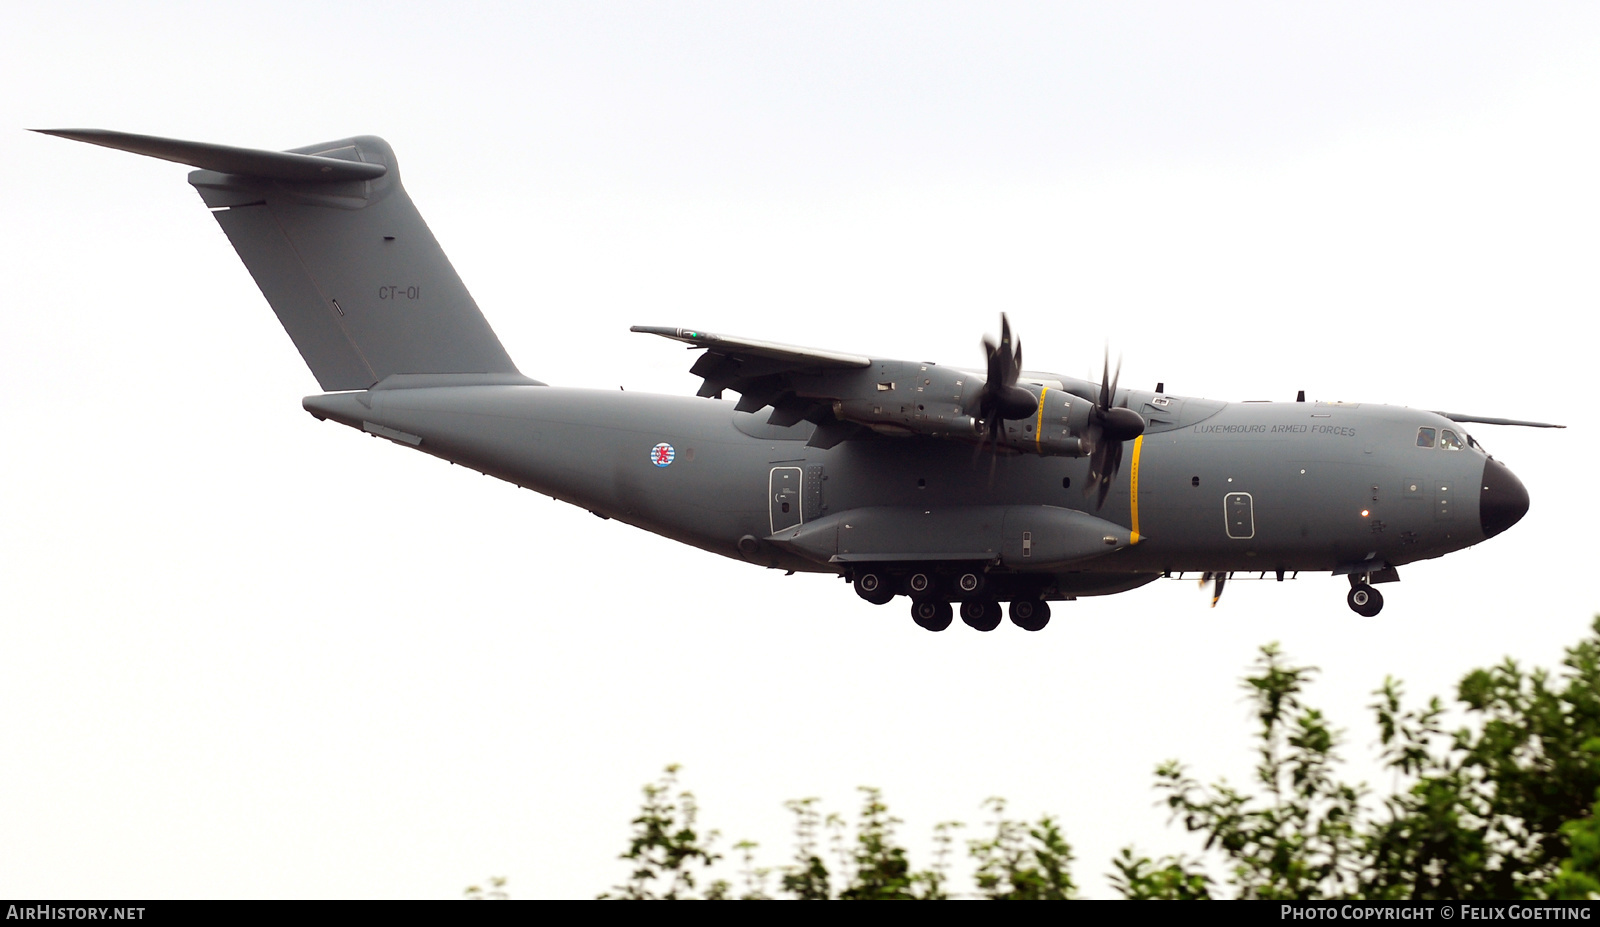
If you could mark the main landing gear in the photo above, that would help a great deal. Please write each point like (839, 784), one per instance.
(984, 614)
(876, 588)
(981, 614)
(978, 595)
(931, 614)
(1030, 615)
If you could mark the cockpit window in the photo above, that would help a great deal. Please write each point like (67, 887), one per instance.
(1425, 437)
(1449, 441)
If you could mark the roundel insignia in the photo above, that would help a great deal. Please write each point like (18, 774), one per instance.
(662, 454)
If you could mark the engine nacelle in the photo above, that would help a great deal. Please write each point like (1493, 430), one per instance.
(935, 419)
(926, 399)
(1053, 430)
(914, 399)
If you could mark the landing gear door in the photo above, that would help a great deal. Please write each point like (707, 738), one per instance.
(783, 497)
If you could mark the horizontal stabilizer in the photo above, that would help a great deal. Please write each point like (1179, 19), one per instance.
(268, 165)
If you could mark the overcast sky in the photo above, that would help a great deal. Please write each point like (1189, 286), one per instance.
(248, 654)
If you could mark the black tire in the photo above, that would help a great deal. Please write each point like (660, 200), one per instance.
(875, 588)
(922, 583)
(981, 614)
(931, 614)
(1364, 600)
(969, 584)
(1030, 614)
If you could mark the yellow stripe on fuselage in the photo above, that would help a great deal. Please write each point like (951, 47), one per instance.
(1038, 426)
(1133, 487)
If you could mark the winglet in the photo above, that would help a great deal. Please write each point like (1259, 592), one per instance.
(249, 162)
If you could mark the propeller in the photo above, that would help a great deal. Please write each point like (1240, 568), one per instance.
(1217, 580)
(1001, 398)
(1109, 427)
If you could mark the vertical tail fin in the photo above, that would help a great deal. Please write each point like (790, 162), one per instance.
(341, 254)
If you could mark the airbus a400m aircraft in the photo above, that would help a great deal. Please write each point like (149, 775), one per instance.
(943, 484)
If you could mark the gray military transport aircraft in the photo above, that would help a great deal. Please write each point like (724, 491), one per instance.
(943, 484)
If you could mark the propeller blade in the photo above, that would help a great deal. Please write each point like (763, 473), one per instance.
(1109, 427)
(1217, 580)
(1113, 464)
(1001, 399)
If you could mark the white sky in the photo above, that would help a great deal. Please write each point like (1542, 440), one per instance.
(247, 654)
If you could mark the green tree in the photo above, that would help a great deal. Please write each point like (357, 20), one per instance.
(666, 848)
(1022, 862)
(807, 878)
(1171, 879)
(881, 869)
(1299, 840)
(1504, 806)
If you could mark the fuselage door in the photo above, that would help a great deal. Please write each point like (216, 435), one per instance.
(783, 495)
(1239, 510)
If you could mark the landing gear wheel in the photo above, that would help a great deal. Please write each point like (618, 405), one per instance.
(981, 614)
(921, 583)
(875, 588)
(1030, 614)
(931, 614)
(1364, 600)
(968, 585)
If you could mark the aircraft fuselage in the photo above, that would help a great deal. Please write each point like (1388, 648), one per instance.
(1235, 487)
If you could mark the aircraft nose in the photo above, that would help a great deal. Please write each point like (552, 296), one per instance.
(1503, 500)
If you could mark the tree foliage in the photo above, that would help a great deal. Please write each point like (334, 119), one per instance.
(1298, 839)
(667, 850)
(1504, 806)
(1173, 878)
(1022, 862)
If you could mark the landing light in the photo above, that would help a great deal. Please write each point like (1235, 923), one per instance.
(1364, 513)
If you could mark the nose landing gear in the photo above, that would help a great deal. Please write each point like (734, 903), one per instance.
(1364, 600)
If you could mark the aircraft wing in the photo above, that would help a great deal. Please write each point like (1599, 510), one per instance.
(800, 384)
(851, 395)
(736, 348)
